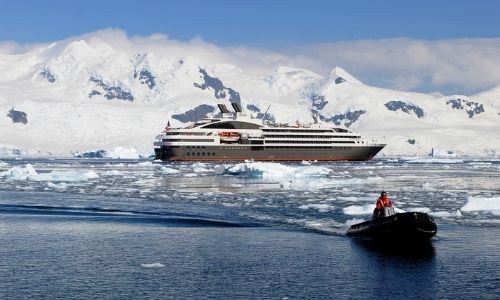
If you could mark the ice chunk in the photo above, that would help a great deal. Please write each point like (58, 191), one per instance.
(166, 170)
(444, 214)
(153, 265)
(61, 186)
(276, 170)
(19, 173)
(91, 175)
(482, 204)
(200, 168)
(29, 173)
(358, 210)
(319, 207)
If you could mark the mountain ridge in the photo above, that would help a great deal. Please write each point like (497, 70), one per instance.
(84, 94)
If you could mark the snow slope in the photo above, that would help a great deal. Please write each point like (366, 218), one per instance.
(89, 94)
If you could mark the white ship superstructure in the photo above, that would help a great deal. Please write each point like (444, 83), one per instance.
(237, 136)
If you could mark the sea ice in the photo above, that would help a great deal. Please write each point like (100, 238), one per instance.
(29, 173)
(482, 204)
(436, 161)
(166, 170)
(358, 210)
(153, 265)
(20, 173)
(276, 170)
(112, 173)
(320, 207)
(61, 186)
(420, 209)
(200, 168)
(444, 214)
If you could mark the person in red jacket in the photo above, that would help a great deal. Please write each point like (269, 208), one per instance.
(383, 202)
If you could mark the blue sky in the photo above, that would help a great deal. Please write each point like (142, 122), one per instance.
(256, 23)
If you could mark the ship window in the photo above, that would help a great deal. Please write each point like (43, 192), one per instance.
(188, 154)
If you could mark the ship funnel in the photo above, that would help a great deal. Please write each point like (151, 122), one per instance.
(236, 107)
(223, 108)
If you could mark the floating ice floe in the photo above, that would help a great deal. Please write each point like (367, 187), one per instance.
(152, 265)
(320, 207)
(276, 170)
(358, 210)
(445, 214)
(167, 170)
(200, 168)
(482, 204)
(60, 187)
(29, 173)
(436, 161)
(19, 173)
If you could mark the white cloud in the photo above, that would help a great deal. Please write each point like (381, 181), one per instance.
(406, 64)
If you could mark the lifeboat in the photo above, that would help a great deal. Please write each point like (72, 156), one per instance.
(229, 137)
(410, 226)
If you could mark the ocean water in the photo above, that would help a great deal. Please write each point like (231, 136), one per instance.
(115, 229)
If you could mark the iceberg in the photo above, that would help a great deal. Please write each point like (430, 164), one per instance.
(276, 170)
(482, 204)
(29, 173)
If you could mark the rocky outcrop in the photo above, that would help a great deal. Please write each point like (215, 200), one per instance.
(18, 116)
(194, 114)
(220, 91)
(346, 119)
(110, 92)
(405, 107)
(146, 77)
(470, 107)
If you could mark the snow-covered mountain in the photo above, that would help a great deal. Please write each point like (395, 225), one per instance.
(89, 94)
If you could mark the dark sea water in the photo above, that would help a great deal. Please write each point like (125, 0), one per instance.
(97, 229)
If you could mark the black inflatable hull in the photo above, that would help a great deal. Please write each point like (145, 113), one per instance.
(410, 226)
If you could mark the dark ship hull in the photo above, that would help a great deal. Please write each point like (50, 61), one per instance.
(240, 152)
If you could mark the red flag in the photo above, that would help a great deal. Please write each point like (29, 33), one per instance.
(168, 126)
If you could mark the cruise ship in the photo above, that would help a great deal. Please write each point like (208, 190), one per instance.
(236, 136)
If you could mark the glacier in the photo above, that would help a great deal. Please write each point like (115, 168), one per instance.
(88, 92)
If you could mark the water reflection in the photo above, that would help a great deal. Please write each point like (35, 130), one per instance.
(396, 271)
(423, 250)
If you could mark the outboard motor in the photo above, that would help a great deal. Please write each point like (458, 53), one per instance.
(387, 211)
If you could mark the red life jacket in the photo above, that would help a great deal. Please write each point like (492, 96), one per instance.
(383, 202)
